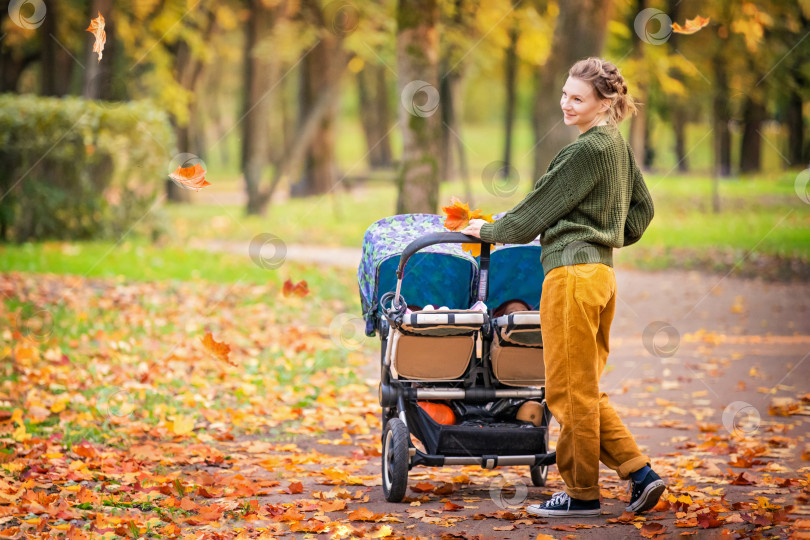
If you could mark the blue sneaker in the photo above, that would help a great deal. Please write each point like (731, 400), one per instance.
(645, 494)
(561, 505)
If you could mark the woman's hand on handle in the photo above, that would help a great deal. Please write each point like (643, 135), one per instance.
(474, 228)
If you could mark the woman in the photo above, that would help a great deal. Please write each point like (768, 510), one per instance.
(591, 199)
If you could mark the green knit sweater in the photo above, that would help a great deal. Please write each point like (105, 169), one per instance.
(591, 199)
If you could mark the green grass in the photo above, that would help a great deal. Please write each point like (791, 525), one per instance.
(137, 260)
(761, 214)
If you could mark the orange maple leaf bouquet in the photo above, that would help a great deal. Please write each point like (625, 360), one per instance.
(459, 216)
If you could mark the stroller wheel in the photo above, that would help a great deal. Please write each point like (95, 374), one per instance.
(539, 474)
(395, 460)
(387, 414)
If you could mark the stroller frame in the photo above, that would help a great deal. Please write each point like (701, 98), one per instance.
(451, 444)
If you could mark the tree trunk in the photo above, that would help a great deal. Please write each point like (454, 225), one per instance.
(258, 79)
(795, 125)
(319, 74)
(510, 83)
(417, 60)
(375, 114)
(751, 145)
(678, 107)
(56, 63)
(638, 123)
(13, 60)
(721, 116)
(679, 129)
(580, 32)
(449, 97)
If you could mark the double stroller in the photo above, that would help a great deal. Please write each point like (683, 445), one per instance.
(457, 366)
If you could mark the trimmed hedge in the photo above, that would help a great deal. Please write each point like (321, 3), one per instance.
(72, 168)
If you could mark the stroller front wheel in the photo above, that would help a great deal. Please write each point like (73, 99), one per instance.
(539, 474)
(395, 460)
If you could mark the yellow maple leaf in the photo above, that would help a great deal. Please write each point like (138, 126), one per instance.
(182, 424)
(20, 434)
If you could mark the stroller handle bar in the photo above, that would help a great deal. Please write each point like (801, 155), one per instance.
(438, 238)
(441, 238)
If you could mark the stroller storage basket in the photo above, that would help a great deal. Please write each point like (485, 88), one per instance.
(477, 440)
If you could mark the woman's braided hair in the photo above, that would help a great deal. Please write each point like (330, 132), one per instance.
(608, 84)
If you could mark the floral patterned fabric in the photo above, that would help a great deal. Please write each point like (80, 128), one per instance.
(441, 274)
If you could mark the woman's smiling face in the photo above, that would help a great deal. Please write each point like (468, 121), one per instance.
(580, 105)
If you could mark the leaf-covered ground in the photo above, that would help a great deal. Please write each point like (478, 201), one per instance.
(116, 419)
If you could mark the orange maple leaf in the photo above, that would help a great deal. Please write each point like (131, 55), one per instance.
(294, 488)
(97, 29)
(192, 176)
(691, 26)
(459, 216)
(298, 289)
(219, 350)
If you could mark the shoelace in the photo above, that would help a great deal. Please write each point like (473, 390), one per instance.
(559, 497)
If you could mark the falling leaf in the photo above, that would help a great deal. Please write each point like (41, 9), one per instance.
(192, 176)
(691, 26)
(97, 29)
(298, 289)
(219, 350)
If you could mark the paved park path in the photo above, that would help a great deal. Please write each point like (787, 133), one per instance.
(696, 393)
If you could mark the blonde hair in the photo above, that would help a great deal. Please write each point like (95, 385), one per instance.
(608, 83)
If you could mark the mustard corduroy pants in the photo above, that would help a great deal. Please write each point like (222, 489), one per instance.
(576, 311)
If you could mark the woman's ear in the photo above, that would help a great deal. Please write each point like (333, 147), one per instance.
(605, 105)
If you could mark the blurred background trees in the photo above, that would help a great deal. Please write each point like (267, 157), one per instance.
(269, 91)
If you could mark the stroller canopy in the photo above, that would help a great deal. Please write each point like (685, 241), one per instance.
(441, 274)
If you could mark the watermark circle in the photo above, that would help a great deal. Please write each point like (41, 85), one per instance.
(577, 256)
(33, 20)
(267, 251)
(422, 109)
(348, 331)
(500, 179)
(741, 418)
(115, 403)
(508, 493)
(649, 17)
(802, 184)
(653, 334)
(187, 160)
(34, 323)
(341, 17)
